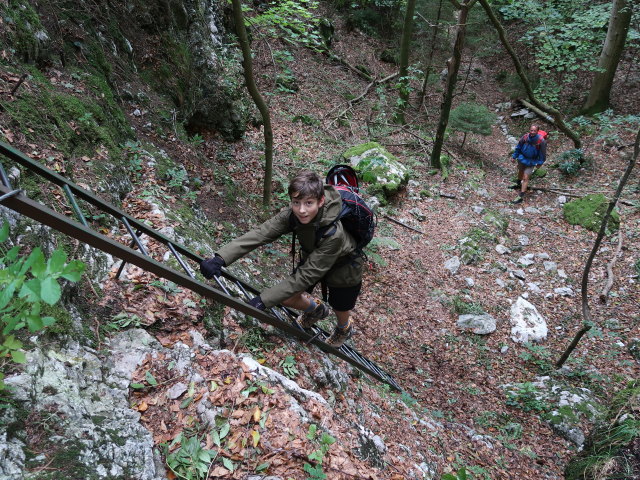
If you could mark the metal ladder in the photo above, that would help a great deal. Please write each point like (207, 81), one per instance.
(232, 291)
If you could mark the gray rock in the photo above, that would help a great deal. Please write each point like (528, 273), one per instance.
(533, 287)
(564, 291)
(527, 325)
(634, 349)
(523, 240)
(527, 260)
(519, 274)
(502, 250)
(550, 266)
(562, 200)
(542, 256)
(453, 265)
(501, 283)
(531, 210)
(562, 273)
(478, 324)
(419, 214)
(504, 349)
(372, 447)
(477, 209)
(469, 281)
(176, 390)
(523, 112)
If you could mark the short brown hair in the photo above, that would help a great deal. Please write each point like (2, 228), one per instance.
(306, 184)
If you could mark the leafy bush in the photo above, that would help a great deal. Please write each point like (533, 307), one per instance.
(570, 161)
(471, 118)
(26, 283)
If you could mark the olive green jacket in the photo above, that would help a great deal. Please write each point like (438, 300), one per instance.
(316, 260)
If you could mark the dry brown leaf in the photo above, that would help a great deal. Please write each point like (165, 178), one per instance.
(143, 407)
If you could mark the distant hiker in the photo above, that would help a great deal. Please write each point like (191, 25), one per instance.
(330, 257)
(530, 153)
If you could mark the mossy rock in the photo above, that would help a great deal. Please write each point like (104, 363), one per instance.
(588, 212)
(377, 167)
(539, 173)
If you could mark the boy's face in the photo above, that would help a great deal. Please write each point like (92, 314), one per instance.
(306, 209)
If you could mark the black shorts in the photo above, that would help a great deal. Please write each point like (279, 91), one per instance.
(342, 299)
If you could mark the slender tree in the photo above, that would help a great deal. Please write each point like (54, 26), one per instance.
(587, 320)
(453, 66)
(247, 65)
(553, 112)
(432, 49)
(405, 44)
(598, 99)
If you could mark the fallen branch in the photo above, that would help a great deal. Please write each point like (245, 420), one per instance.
(610, 265)
(402, 224)
(539, 112)
(447, 195)
(22, 79)
(353, 101)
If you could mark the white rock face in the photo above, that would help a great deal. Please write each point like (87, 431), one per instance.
(527, 325)
(453, 265)
(478, 324)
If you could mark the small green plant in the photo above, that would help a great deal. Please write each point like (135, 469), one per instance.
(570, 161)
(124, 320)
(471, 118)
(526, 397)
(323, 443)
(177, 177)
(461, 474)
(25, 285)
(289, 366)
(189, 460)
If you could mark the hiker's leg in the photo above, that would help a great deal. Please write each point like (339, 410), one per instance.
(343, 318)
(299, 301)
(526, 174)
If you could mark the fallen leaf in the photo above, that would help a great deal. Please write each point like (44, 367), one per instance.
(143, 407)
(256, 415)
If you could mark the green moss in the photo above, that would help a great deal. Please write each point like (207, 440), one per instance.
(589, 211)
(497, 220)
(360, 149)
(23, 23)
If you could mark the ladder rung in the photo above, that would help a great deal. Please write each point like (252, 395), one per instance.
(74, 205)
(180, 261)
(134, 236)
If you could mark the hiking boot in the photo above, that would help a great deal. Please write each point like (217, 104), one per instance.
(309, 319)
(519, 199)
(517, 186)
(339, 336)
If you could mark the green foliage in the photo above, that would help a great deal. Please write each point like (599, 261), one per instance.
(570, 161)
(289, 366)
(461, 474)
(565, 38)
(323, 443)
(292, 21)
(525, 396)
(607, 448)
(589, 211)
(189, 460)
(25, 285)
(460, 306)
(472, 118)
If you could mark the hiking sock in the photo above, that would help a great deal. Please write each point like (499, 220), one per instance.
(311, 307)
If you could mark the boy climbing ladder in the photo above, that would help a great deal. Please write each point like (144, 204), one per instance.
(332, 257)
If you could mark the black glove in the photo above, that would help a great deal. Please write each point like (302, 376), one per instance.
(256, 302)
(212, 267)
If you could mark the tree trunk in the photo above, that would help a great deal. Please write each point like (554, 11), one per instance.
(427, 70)
(557, 116)
(405, 44)
(598, 99)
(257, 99)
(587, 321)
(453, 65)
